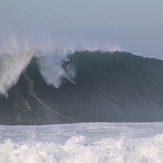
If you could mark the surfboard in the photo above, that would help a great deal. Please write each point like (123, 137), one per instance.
(72, 81)
(68, 77)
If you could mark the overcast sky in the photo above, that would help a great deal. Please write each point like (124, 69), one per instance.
(135, 25)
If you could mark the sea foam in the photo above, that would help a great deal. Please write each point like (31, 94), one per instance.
(83, 143)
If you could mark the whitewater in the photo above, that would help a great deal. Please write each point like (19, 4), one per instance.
(82, 142)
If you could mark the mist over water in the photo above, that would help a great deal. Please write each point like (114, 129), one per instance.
(13, 61)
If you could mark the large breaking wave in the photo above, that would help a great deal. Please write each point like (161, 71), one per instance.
(97, 86)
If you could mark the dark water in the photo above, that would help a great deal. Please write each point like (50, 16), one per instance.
(111, 87)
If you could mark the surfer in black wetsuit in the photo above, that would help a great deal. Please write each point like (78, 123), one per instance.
(65, 64)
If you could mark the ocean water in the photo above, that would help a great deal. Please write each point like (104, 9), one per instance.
(82, 143)
(106, 106)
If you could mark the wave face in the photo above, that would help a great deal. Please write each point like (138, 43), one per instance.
(97, 86)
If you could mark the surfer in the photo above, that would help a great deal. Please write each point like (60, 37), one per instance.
(65, 64)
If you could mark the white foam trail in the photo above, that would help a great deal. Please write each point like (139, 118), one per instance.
(13, 61)
(51, 68)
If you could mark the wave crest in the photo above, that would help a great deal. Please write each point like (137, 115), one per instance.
(11, 67)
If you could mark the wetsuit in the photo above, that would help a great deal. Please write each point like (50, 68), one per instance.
(65, 64)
